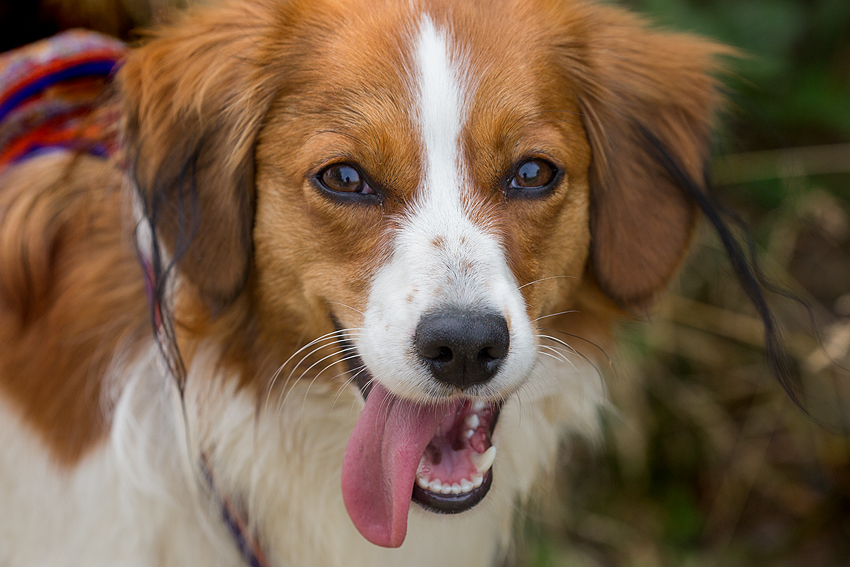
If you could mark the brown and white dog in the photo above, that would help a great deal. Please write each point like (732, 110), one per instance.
(396, 226)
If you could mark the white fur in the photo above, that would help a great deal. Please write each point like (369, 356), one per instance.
(130, 502)
(141, 499)
(466, 268)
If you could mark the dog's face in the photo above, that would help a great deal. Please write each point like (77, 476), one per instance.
(430, 179)
(411, 185)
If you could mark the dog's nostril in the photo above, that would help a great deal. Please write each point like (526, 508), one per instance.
(444, 355)
(487, 355)
(462, 348)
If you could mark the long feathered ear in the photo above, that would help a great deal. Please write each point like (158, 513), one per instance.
(193, 99)
(641, 90)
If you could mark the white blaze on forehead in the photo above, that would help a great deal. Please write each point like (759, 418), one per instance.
(440, 258)
(441, 110)
(442, 87)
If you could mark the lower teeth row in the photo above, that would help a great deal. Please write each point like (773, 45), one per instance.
(455, 488)
(482, 462)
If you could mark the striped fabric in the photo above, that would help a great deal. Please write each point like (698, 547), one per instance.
(49, 95)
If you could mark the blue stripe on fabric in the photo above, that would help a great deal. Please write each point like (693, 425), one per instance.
(94, 68)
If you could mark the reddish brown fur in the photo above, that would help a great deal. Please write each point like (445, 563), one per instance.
(630, 78)
(71, 297)
(193, 100)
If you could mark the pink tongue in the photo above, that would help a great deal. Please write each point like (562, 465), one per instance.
(379, 467)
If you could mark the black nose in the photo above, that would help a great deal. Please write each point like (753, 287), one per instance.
(462, 348)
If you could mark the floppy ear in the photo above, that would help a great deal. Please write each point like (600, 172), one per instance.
(642, 92)
(193, 100)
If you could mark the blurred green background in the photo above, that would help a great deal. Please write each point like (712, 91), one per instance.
(705, 461)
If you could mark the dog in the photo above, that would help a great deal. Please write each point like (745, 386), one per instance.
(336, 287)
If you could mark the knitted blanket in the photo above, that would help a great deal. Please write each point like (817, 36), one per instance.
(50, 93)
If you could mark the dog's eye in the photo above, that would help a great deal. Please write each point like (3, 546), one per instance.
(344, 178)
(533, 174)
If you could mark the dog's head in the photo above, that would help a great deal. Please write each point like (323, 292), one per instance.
(429, 177)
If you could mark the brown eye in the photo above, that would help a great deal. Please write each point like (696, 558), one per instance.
(533, 174)
(346, 184)
(343, 178)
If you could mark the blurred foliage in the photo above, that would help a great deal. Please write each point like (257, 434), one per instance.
(793, 85)
(705, 461)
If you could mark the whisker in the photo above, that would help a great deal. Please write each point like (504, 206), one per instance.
(305, 357)
(296, 353)
(367, 385)
(560, 355)
(544, 279)
(582, 356)
(335, 341)
(348, 382)
(577, 353)
(346, 306)
(591, 343)
(316, 377)
(308, 369)
(560, 342)
(555, 314)
(550, 355)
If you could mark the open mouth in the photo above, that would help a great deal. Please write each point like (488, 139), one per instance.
(455, 471)
(438, 455)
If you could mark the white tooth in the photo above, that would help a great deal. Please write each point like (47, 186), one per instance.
(421, 463)
(455, 488)
(435, 485)
(477, 479)
(470, 433)
(447, 489)
(472, 421)
(465, 485)
(478, 405)
(423, 481)
(483, 461)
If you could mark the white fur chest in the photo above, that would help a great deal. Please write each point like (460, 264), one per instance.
(140, 499)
